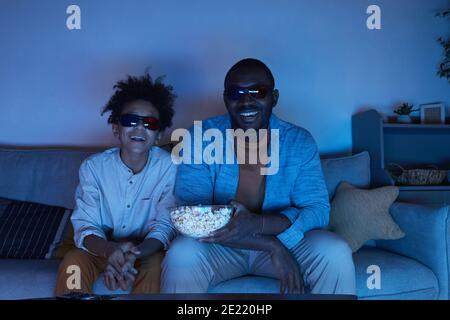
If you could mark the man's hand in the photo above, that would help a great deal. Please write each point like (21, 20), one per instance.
(291, 281)
(242, 224)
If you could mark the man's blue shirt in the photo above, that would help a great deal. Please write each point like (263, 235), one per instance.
(297, 190)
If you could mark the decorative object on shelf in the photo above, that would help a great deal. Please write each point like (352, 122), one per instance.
(417, 177)
(444, 66)
(404, 112)
(432, 113)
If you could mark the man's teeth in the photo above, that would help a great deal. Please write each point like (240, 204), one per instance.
(137, 138)
(249, 114)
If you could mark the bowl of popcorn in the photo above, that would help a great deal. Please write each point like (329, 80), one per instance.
(200, 221)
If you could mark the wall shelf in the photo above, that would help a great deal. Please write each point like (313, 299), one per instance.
(411, 146)
(416, 126)
(425, 188)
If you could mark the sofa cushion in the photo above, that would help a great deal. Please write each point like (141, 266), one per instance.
(427, 238)
(30, 279)
(100, 288)
(353, 169)
(31, 230)
(402, 278)
(247, 284)
(42, 176)
(4, 203)
(397, 273)
(25, 279)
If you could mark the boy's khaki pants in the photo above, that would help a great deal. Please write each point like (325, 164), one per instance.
(147, 279)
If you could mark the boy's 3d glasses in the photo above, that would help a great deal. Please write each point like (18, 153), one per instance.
(132, 120)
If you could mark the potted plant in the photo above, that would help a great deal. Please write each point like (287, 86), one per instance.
(444, 66)
(404, 112)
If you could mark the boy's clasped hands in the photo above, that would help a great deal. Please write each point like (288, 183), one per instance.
(120, 271)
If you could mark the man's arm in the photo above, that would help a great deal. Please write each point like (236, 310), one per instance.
(245, 223)
(284, 263)
(311, 206)
(273, 224)
(255, 242)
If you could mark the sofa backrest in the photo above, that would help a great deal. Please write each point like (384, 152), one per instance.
(51, 176)
(42, 176)
(353, 169)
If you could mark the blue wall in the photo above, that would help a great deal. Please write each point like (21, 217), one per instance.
(328, 65)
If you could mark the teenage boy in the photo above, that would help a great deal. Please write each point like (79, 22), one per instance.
(121, 220)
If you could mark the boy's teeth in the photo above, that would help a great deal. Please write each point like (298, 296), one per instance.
(136, 138)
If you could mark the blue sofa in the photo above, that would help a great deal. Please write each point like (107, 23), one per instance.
(414, 267)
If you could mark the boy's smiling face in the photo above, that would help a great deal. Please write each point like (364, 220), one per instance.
(137, 139)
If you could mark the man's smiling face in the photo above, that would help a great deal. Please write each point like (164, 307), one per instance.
(249, 97)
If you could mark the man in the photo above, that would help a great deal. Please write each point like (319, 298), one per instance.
(275, 230)
(121, 221)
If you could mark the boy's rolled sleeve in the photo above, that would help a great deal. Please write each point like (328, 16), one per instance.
(86, 218)
(161, 228)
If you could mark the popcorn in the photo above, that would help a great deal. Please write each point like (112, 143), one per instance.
(200, 221)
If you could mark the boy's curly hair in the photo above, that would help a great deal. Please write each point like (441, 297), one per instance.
(161, 96)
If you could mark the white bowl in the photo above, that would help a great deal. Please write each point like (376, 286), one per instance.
(200, 221)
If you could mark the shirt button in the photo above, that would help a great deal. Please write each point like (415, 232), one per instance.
(123, 227)
(131, 182)
(128, 206)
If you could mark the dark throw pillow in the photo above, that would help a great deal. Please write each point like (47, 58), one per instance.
(31, 230)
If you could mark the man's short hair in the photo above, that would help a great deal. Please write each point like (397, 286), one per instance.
(161, 96)
(250, 62)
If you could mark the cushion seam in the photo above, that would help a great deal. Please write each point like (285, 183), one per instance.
(346, 157)
(402, 292)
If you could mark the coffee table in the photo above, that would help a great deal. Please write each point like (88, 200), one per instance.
(234, 296)
(224, 297)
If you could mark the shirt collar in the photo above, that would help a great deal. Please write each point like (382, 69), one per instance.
(124, 168)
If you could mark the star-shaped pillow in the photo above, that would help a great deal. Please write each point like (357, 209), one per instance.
(359, 215)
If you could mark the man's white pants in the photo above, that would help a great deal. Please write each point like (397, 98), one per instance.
(325, 262)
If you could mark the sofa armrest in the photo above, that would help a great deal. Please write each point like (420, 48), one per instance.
(427, 239)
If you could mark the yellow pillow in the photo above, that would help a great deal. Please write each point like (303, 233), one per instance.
(359, 215)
